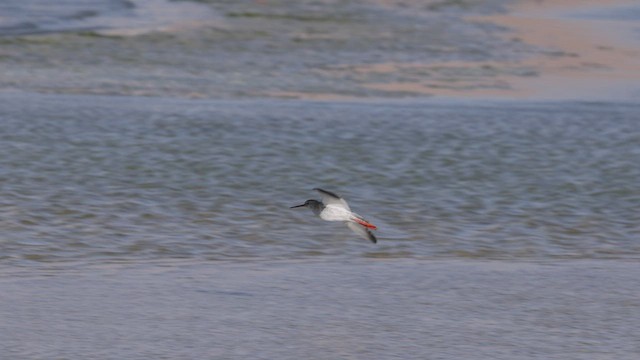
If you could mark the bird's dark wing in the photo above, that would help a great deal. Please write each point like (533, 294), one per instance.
(329, 198)
(327, 193)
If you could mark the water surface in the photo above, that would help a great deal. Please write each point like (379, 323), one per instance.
(367, 309)
(107, 178)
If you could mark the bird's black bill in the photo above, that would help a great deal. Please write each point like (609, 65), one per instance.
(296, 206)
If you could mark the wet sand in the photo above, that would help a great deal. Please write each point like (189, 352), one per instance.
(576, 55)
(580, 57)
(368, 309)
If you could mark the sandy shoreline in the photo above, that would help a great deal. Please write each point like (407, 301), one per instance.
(580, 57)
(368, 49)
(575, 57)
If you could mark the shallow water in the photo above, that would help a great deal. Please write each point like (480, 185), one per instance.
(619, 13)
(124, 17)
(366, 309)
(102, 179)
(242, 49)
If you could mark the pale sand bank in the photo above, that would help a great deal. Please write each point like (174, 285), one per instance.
(581, 57)
(577, 57)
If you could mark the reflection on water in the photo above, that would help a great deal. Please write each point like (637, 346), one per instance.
(115, 179)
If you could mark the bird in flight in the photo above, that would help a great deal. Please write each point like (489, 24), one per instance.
(334, 208)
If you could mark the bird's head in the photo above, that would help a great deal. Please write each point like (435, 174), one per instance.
(308, 203)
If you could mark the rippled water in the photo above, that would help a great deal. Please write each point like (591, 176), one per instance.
(87, 178)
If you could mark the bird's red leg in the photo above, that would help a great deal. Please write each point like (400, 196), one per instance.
(365, 224)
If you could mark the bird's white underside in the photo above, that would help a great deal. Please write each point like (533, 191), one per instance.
(336, 212)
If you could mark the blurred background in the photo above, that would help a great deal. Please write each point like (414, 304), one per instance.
(150, 150)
